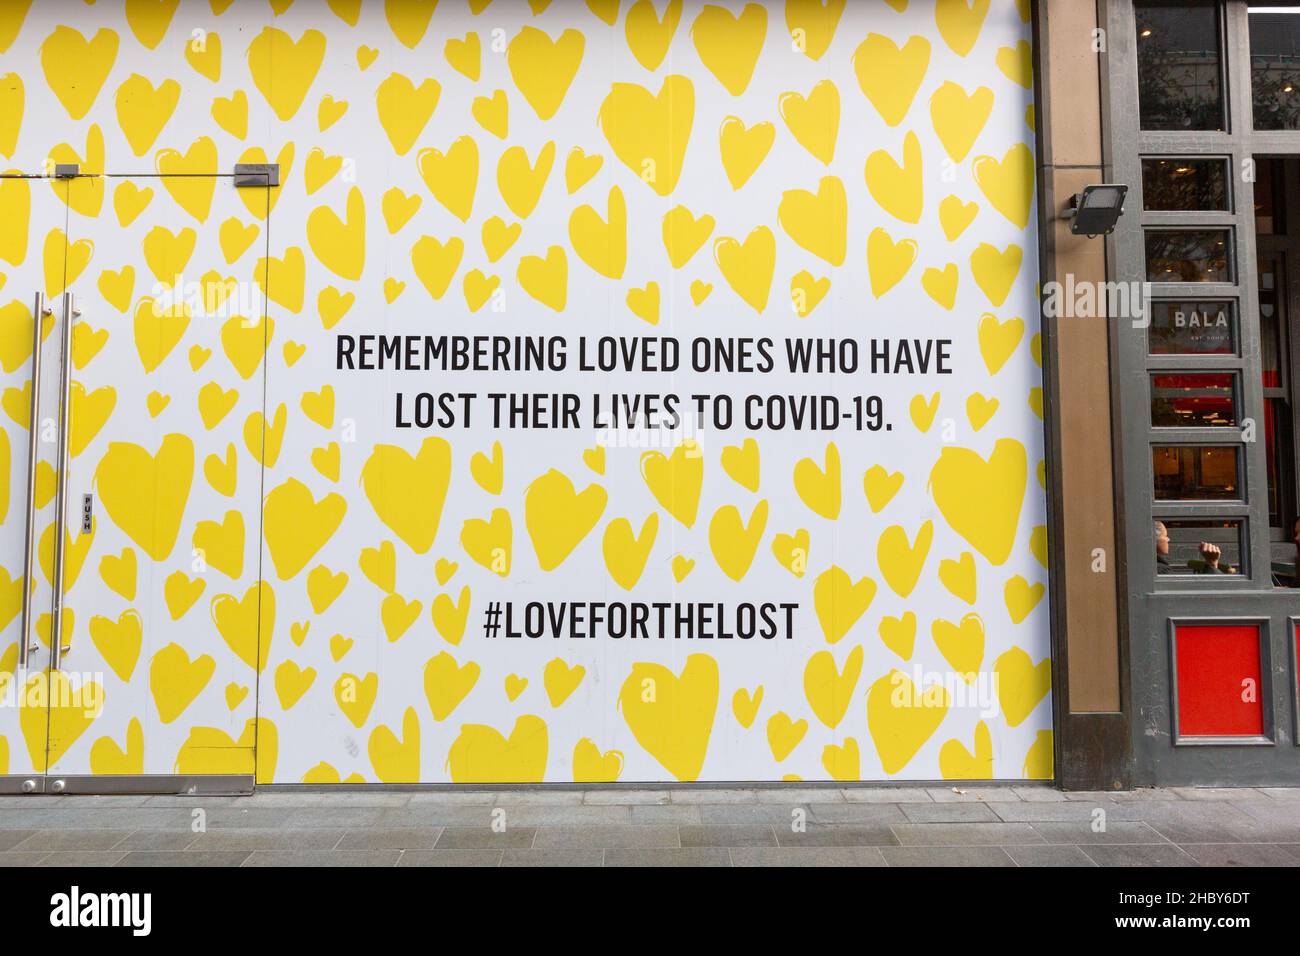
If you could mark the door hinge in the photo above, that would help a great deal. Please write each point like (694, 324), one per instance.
(255, 175)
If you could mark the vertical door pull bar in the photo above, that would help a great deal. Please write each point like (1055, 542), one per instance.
(39, 311)
(61, 504)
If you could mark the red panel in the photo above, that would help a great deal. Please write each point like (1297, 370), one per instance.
(1219, 687)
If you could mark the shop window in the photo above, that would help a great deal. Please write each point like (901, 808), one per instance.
(1270, 198)
(1275, 372)
(1177, 184)
(1275, 68)
(1188, 546)
(1218, 677)
(1188, 255)
(1180, 80)
(1194, 400)
(1193, 327)
(1196, 472)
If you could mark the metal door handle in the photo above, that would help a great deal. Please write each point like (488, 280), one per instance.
(60, 513)
(39, 312)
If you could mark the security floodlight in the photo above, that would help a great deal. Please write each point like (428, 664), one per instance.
(1097, 209)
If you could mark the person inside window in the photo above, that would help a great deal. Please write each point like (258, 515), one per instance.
(1208, 564)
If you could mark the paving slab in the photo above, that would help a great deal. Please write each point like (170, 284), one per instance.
(1240, 854)
(1046, 856)
(681, 856)
(946, 856)
(317, 858)
(450, 858)
(809, 856)
(554, 857)
(965, 834)
(606, 837)
(719, 834)
(1154, 854)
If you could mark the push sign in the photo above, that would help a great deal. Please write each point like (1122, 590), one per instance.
(87, 512)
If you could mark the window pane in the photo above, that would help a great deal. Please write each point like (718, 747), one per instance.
(1275, 69)
(1187, 255)
(1272, 315)
(1185, 551)
(1193, 400)
(1206, 327)
(1178, 66)
(1195, 473)
(1170, 184)
(1270, 209)
(1277, 450)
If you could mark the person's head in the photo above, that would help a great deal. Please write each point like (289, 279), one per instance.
(1162, 538)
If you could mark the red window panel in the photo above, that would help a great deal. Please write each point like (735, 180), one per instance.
(1219, 686)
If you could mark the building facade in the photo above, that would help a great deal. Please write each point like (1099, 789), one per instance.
(416, 392)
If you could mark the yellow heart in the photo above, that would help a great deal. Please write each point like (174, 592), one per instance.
(520, 181)
(405, 109)
(745, 705)
(649, 132)
(955, 216)
(962, 645)
(340, 244)
(1017, 63)
(489, 542)
(449, 618)
(499, 237)
(64, 261)
(235, 238)
(998, 340)
(1021, 598)
(684, 234)
(784, 734)
(681, 568)
(959, 576)
(354, 695)
(546, 280)
(408, 492)
(980, 409)
(899, 634)
(189, 177)
(447, 683)
(282, 280)
(1021, 684)
(828, 689)
(319, 406)
(941, 285)
(923, 410)
(479, 288)
(339, 646)
(981, 498)
(396, 760)
(1009, 184)
(298, 632)
(464, 55)
(90, 411)
(119, 573)
(748, 267)
(815, 120)
(262, 438)
(959, 22)
(296, 525)
(444, 570)
(888, 261)
(601, 243)
(76, 68)
(818, 223)
(959, 117)
(839, 601)
(231, 113)
(644, 303)
(741, 463)
(106, 757)
(333, 306)
(435, 264)
(379, 565)
(743, 148)
(480, 754)
(543, 68)
(561, 680)
(806, 292)
(452, 177)
(791, 551)
(672, 715)
(175, 680)
(156, 403)
(626, 552)
(558, 517)
(591, 766)
(729, 44)
(897, 189)
(1038, 544)
(181, 592)
(958, 763)
(366, 55)
(215, 404)
(676, 481)
(819, 487)
(142, 110)
(880, 486)
(324, 587)
(902, 717)
(284, 69)
(15, 206)
(901, 560)
(812, 23)
(843, 762)
(152, 521)
(734, 542)
(579, 168)
(119, 641)
(320, 169)
(890, 75)
(329, 112)
(222, 545)
(235, 695)
(53, 714)
(515, 685)
(247, 624)
(488, 472)
(700, 291)
(397, 615)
